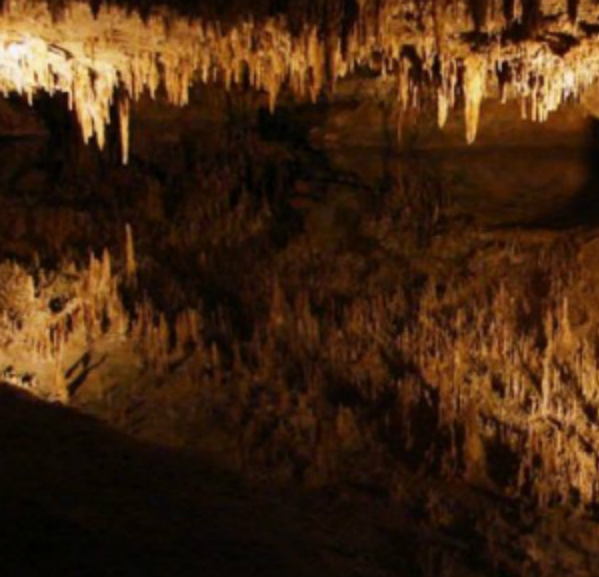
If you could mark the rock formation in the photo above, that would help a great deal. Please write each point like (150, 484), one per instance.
(542, 54)
(253, 289)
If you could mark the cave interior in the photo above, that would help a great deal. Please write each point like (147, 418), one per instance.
(299, 288)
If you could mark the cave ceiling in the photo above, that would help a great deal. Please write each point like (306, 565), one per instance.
(446, 54)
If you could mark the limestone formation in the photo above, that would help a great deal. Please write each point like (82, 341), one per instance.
(539, 55)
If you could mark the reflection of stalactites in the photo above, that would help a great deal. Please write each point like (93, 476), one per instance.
(124, 128)
(475, 72)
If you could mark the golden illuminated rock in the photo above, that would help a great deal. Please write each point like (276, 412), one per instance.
(92, 57)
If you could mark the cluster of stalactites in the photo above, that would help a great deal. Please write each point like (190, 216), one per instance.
(540, 80)
(534, 70)
(115, 56)
(93, 58)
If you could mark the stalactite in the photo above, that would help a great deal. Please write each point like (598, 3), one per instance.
(475, 73)
(446, 90)
(124, 129)
(77, 56)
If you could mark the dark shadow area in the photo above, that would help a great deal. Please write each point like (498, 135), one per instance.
(229, 11)
(81, 500)
(85, 367)
(582, 210)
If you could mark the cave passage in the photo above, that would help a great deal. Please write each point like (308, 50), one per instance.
(299, 288)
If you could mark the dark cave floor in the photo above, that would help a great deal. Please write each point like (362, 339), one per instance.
(82, 499)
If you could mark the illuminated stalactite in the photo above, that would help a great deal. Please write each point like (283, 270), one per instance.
(475, 73)
(124, 128)
(91, 58)
(446, 94)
